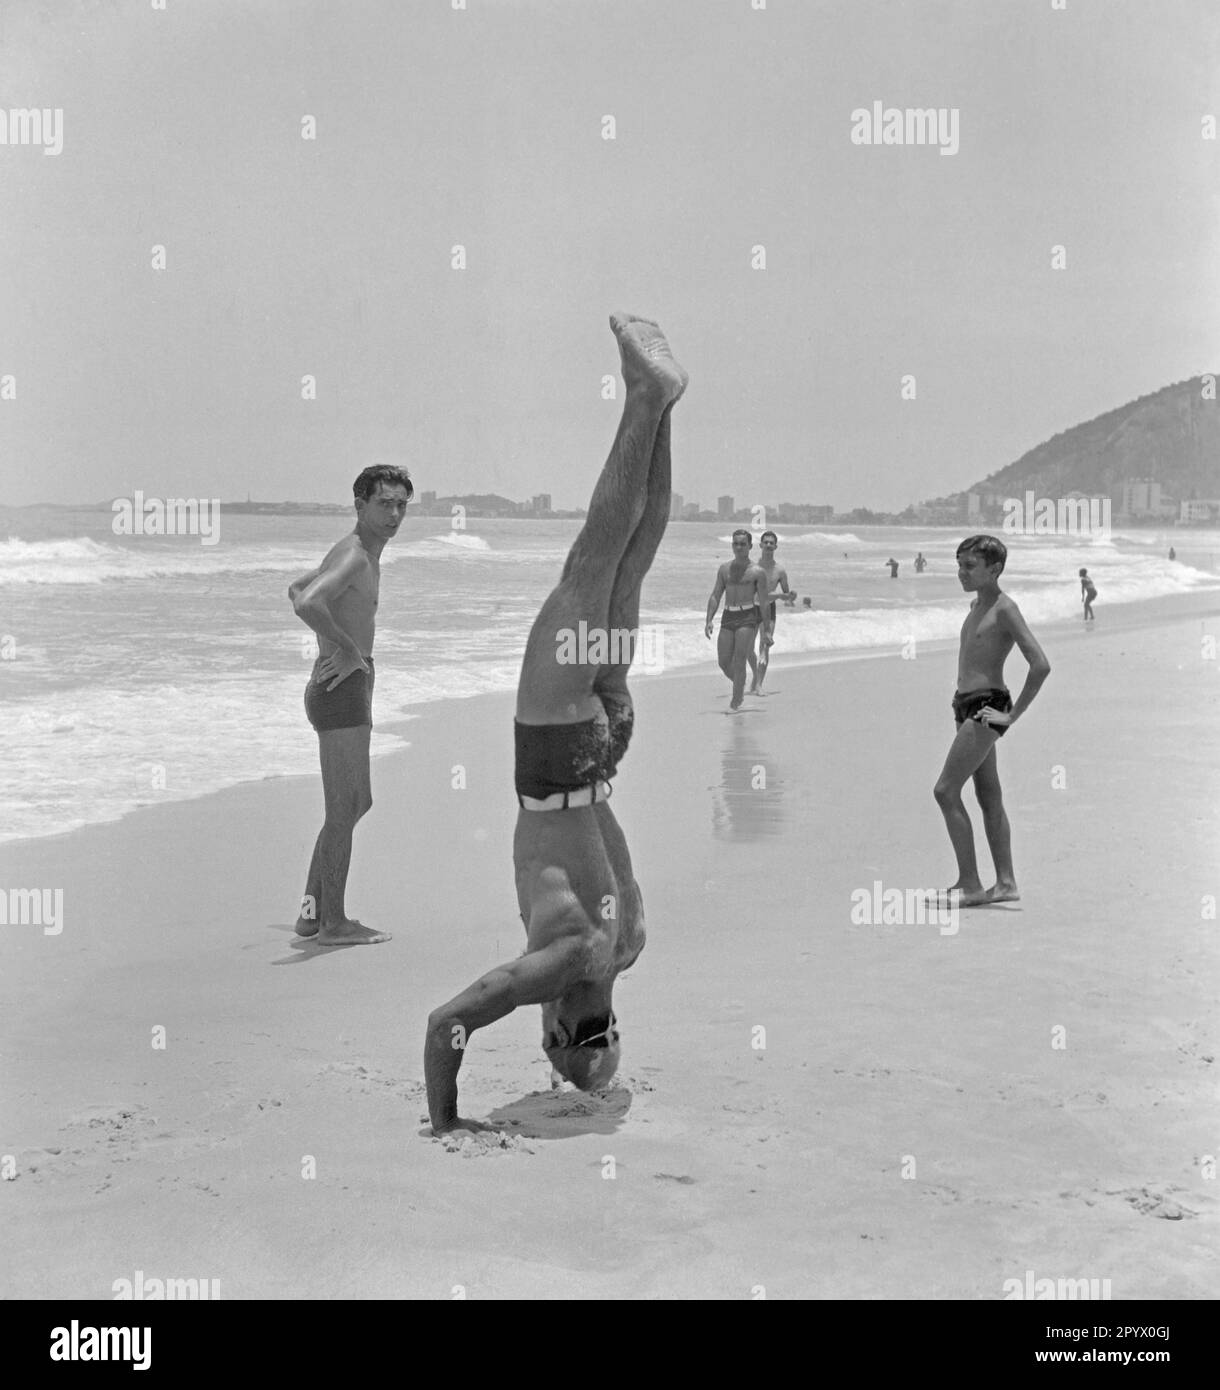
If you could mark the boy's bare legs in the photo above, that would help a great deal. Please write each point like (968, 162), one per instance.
(972, 746)
(348, 795)
(995, 823)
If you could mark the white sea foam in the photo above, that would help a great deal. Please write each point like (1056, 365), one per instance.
(86, 561)
(150, 664)
(830, 538)
(462, 539)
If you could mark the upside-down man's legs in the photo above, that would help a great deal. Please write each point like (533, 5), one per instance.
(625, 501)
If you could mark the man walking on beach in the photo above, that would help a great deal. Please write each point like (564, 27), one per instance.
(777, 580)
(579, 901)
(983, 711)
(339, 601)
(744, 587)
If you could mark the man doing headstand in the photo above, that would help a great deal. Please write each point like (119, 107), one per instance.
(579, 901)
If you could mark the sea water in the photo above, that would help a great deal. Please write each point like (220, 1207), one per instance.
(140, 669)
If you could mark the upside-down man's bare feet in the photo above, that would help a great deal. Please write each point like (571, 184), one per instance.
(648, 364)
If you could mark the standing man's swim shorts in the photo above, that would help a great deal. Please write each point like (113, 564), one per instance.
(347, 706)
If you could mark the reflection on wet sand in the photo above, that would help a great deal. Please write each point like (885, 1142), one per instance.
(748, 804)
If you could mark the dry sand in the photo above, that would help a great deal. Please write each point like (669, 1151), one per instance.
(714, 1166)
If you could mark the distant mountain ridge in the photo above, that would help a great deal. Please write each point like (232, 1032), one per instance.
(1171, 437)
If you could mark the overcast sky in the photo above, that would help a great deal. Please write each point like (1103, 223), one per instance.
(1079, 127)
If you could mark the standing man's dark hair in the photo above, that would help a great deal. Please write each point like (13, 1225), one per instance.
(366, 484)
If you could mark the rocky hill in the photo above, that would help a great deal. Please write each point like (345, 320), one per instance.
(1171, 436)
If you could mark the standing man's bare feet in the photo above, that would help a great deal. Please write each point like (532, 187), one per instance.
(350, 933)
(966, 897)
(1004, 892)
(646, 358)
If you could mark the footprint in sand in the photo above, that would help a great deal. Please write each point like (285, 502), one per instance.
(369, 1080)
(1152, 1203)
(34, 1159)
(483, 1143)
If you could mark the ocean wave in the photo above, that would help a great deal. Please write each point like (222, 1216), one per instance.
(86, 561)
(79, 757)
(823, 538)
(809, 538)
(462, 539)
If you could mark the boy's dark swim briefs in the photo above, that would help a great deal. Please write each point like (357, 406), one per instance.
(555, 758)
(968, 704)
(733, 618)
(347, 706)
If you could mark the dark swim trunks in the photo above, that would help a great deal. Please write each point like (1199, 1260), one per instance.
(733, 618)
(557, 758)
(967, 706)
(772, 610)
(347, 706)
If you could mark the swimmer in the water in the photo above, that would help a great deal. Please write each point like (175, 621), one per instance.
(1088, 592)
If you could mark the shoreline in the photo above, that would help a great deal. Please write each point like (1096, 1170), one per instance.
(1146, 613)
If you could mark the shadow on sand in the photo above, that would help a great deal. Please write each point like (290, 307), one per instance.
(564, 1114)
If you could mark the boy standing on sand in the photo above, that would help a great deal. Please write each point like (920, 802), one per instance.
(338, 600)
(983, 710)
